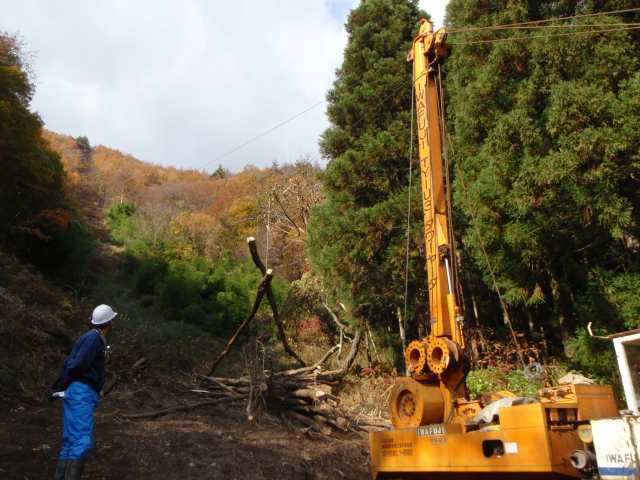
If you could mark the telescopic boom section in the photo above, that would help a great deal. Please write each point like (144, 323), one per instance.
(435, 391)
(428, 51)
(440, 356)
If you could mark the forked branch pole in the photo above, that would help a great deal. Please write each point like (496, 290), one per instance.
(304, 395)
(251, 242)
(262, 288)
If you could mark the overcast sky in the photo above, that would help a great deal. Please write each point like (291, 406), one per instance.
(182, 82)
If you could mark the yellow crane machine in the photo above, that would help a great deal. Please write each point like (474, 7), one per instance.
(438, 432)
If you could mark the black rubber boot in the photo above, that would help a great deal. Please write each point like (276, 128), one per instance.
(61, 469)
(74, 469)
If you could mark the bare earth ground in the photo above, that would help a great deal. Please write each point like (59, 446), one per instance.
(209, 443)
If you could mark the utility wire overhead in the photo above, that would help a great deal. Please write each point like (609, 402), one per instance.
(566, 26)
(548, 20)
(529, 37)
(262, 134)
(284, 122)
(533, 24)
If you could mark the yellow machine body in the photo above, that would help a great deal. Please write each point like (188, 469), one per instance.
(528, 441)
(435, 433)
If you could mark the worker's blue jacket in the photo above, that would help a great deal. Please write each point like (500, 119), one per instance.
(85, 363)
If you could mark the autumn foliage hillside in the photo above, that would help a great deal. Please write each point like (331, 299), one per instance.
(181, 234)
(203, 214)
(111, 174)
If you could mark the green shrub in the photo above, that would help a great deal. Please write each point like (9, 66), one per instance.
(486, 380)
(121, 222)
(520, 385)
(148, 276)
(593, 356)
(483, 380)
(230, 290)
(179, 289)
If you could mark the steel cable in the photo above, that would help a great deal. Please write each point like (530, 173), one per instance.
(405, 320)
(529, 37)
(548, 20)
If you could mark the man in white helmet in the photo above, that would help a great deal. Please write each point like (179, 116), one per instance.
(82, 379)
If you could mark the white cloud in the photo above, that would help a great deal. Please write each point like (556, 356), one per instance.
(180, 82)
(437, 10)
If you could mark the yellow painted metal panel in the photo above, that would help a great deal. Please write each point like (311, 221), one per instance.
(529, 447)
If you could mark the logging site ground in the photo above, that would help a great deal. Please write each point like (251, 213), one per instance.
(213, 443)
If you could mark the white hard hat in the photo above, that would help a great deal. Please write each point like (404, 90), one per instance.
(102, 314)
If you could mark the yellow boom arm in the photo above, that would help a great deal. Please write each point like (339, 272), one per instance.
(436, 392)
(440, 353)
(428, 50)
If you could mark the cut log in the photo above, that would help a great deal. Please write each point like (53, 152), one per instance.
(309, 393)
(310, 422)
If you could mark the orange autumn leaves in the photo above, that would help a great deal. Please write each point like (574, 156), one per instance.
(190, 214)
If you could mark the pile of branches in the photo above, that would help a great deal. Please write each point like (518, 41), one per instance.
(303, 395)
(495, 353)
(300, 396)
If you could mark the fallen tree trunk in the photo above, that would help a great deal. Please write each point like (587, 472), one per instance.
(341, 326)
(336, 375)
(177, 408)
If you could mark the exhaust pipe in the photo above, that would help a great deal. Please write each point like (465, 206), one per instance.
(581, 460)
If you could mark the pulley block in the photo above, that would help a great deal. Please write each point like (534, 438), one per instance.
(416, 357)
(442, 355)
(414, 404)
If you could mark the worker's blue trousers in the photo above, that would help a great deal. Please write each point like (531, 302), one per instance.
(80, 400)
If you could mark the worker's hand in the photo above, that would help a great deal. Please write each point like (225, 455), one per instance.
(56, 396)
